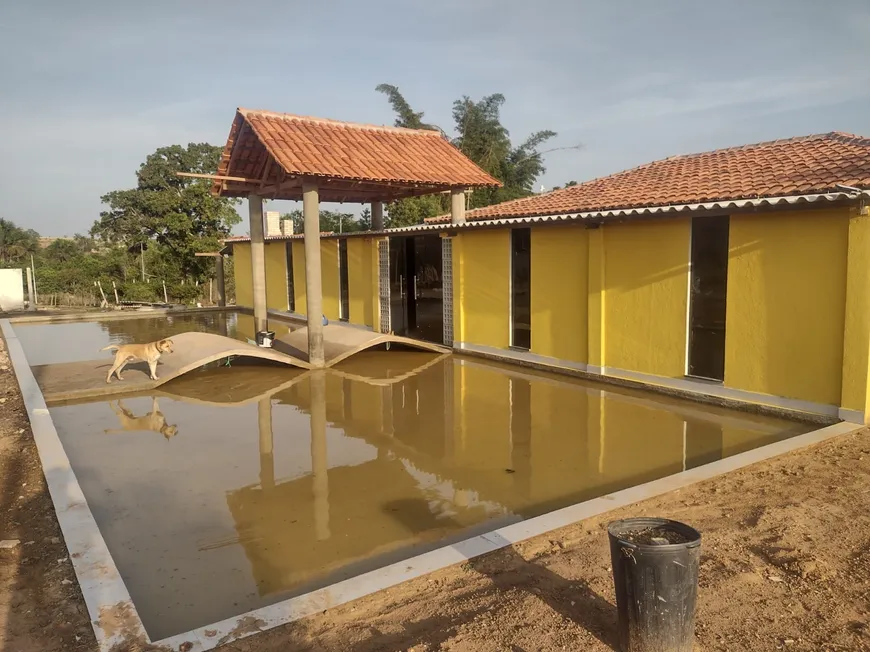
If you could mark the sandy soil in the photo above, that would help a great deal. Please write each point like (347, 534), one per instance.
(41, 606)
(785, 565)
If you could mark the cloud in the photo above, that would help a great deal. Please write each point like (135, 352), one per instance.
(666, 98)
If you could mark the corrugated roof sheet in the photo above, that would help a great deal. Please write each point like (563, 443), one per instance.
(796, 166)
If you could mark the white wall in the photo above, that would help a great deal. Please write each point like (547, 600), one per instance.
(11, 289)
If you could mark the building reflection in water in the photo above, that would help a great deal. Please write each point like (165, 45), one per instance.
(461, 446)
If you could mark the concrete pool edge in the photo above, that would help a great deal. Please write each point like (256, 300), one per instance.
(113, 616)
(116, 621)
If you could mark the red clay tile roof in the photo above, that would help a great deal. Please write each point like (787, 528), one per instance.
(398, 159)
(797, 166)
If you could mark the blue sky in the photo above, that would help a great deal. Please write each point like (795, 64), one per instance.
(90, 88)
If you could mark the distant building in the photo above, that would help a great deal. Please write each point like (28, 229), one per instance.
(47, 241)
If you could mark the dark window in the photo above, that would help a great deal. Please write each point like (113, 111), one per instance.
(344, 305)
(291, 295)
(521, 288)
(707, 295)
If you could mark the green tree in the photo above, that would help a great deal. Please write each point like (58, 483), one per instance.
(16, 244)
(331, 221)
(405, 116)
(176, 213)
(482, 137)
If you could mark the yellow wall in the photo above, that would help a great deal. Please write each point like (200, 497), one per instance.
(276, 276)
(786, 299)
(559, 290)
(329, 265)
(362, 277)
(359, 278)
(484, 286)
(857, 328)
(299, 277)
(243, 275)
(646, 267)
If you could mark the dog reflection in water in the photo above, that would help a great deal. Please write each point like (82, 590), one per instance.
(154, 421)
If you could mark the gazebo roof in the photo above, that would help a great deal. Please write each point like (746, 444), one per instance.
(270, 154)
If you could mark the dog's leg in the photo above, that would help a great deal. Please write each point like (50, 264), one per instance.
(153, 367)
(155, 408)
(111, 371)
(121, 368)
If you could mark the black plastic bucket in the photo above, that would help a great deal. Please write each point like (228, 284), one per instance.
(265, 338)
(656, 583)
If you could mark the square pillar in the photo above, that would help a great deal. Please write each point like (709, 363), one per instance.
(258, 261)
(854, 403)
(457, 206)
(377, 216)
(313, 280)
(595, 301)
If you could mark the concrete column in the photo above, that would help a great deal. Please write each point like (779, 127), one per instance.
(258, 261)
(319, 455)
(267, 457)
(221, 285)
(377, 216)
(31, 302)
(313, 282)
(457, 206)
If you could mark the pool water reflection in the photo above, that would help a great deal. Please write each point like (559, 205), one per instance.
(232, 488)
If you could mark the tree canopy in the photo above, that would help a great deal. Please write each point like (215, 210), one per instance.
(16, 244)
(178, 213)
(482, 137)
(333, 221)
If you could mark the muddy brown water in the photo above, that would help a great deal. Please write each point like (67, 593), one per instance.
(233, 488)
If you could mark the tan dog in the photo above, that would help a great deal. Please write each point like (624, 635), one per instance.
(149, 353)
(154, 421)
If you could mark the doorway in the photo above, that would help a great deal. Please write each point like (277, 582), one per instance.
(416, 289)
(291, 293)
(343, 290)
(707, 297)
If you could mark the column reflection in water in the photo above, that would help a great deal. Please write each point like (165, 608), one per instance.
(319, 454)
(267, 457)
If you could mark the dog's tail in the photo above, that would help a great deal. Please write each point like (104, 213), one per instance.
(110, 347)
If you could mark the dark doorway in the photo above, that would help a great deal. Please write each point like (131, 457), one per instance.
(416, 301)
(291, 294)
(521, 435)
(521, 288)
(343, 296)
(707, 297)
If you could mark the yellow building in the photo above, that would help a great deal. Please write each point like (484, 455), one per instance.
(742, 274)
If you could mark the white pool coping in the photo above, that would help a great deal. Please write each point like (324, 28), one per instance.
(114, 616)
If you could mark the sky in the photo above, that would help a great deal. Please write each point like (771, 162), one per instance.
(90, 88)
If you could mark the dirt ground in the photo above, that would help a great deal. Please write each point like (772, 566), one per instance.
(41, 606)
(785, 565)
